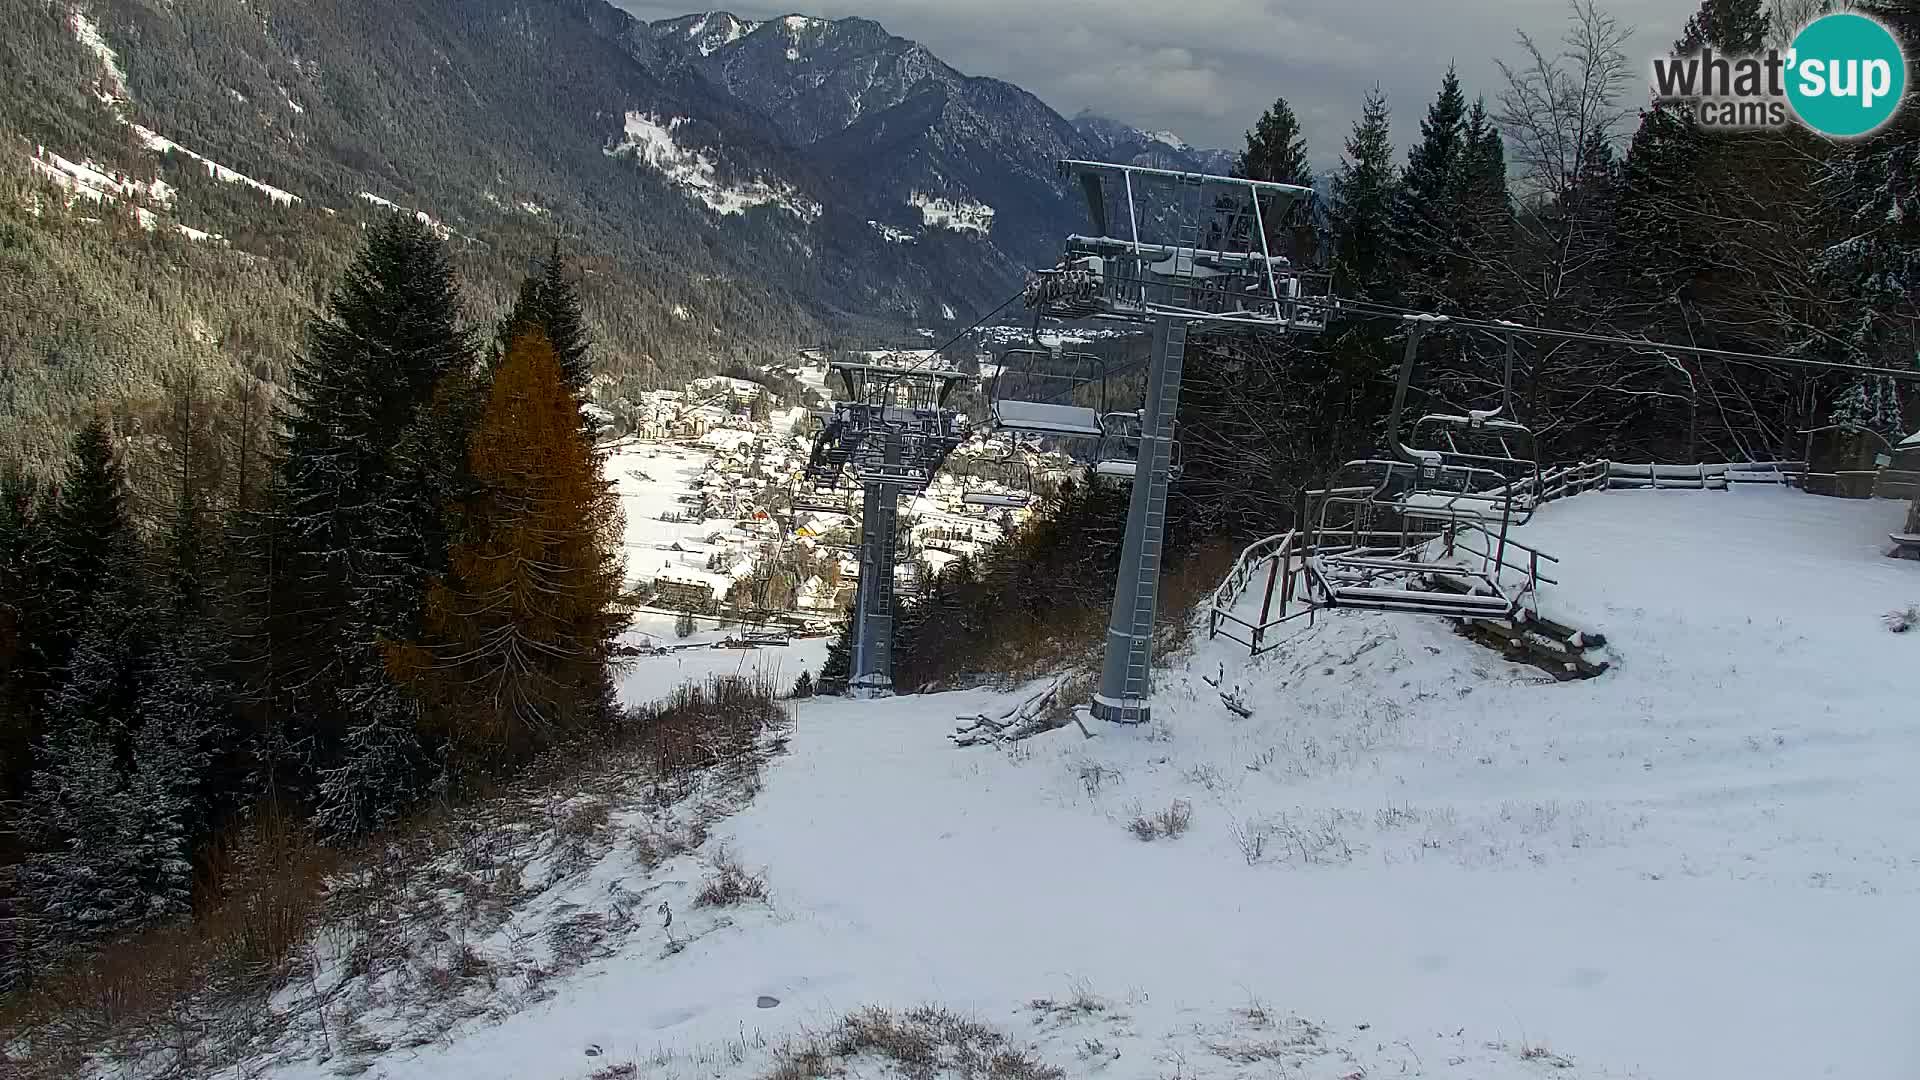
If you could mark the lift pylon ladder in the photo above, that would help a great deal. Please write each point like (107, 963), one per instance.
(1171, 250)
(889, 435)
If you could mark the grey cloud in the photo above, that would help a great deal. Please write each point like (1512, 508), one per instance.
(1206, 68)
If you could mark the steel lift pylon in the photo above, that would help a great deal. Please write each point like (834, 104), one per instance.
(890, 435)
(1172, 250)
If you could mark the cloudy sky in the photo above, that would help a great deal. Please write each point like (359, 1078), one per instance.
(1205, 69)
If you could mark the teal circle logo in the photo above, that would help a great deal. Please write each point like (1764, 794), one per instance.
(1846, 75)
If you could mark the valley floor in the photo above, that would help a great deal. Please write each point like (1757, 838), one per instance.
(1414, 859)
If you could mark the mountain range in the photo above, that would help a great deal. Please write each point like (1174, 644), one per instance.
(727, 184)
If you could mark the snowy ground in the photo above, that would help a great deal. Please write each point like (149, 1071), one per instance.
(1413, 860)
(650, 678)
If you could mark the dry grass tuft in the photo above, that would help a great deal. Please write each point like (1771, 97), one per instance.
(730, 884)
(920, 1044)
(1162, 824)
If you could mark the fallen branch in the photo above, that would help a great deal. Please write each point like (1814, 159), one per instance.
(1025, 720)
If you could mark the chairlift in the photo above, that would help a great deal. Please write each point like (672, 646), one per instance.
(1118, 453)
(1432, 495)
(1482, 439)
(1011, 485)
(1486, 483)
(1034, 391)
(1188, 245)
(807, 499)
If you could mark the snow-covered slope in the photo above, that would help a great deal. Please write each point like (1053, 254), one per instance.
(1414, 859)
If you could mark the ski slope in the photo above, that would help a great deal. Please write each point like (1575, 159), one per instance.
(1414, 859)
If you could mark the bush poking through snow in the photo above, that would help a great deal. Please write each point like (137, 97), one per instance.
(1318, 841)
(655, 842)
(1094, 775)
(921, 1043)
(1901, 620)
(1167, 823)
(1250, 838)
(730, 884)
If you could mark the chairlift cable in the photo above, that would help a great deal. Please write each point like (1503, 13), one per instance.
(1501, 327)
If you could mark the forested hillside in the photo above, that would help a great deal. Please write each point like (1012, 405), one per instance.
(180, 180)
(402, 581)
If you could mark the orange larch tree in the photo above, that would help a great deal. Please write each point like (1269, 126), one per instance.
(518, 635)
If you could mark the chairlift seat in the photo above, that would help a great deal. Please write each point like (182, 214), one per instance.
(1443, 603)
(1479, 420)
(991, 498)
(1047, 419)
(1442, 506)
(1117, 467)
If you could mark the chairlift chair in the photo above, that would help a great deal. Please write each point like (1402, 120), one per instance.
(835, 499)
(1118, 454)
(1437, 495)
(1012, 486)
(1483, 438)
(1034, 389)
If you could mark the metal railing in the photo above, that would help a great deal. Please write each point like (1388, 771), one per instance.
(1499, 556)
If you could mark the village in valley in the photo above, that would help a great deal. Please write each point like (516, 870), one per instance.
(716, 553)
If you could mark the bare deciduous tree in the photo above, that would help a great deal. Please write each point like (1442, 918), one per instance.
(1555, 109)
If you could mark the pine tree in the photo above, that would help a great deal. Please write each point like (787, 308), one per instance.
(1669, 225)
(81, 878)
(1364, 194)
(103, 830)
(1729, 27)
(92, 545)
(184, 718)
(28, 668)
(838, 667)
(803, 686)
(518, 634)
(1276, 149)
(1486, 216)
(382, 767)
(1872, 192)
(356, 527)
(550, 302)
(1427, 217)
(684, 625)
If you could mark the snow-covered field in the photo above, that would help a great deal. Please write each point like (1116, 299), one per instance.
(1415, 859)
(650, 477)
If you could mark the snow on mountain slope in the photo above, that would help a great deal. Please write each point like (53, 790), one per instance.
(160, 144)
(87, 32)
(91, 182)
(649, 140)
(958, 215)
(1414, 859)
